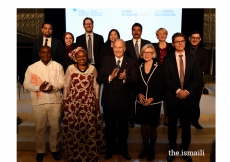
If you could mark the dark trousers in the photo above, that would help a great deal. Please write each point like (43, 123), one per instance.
(112, 116)
(196, 107)
(132, 107)
(182, 108)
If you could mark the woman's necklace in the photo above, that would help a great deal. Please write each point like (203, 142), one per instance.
(82, 70)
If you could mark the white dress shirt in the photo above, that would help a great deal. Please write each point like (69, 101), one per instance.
(48, 42)
(139, 43)
(36, 74)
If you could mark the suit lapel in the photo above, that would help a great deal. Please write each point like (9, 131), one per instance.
(174, 66)
(124, 64)
(186, 67)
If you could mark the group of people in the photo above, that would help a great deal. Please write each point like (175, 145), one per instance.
(137, 78)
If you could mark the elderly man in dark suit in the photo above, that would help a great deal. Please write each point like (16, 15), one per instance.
(46, 40)
(91, 42)
(118, 74)
(181, 75)
(202, 57)
(133, 48)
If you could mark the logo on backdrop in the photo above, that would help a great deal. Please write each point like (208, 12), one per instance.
(165, 13)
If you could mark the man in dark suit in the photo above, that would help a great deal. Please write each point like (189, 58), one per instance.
(96, 42)
(202, 57)
(46, 40)
(118, 74)
(181, 75)
(133, 48)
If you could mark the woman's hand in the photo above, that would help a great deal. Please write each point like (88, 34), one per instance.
(148, 101)
(141, 98)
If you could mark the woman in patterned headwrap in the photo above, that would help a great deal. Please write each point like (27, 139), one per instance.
(83, 136)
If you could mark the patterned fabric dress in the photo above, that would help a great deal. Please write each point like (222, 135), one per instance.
(83, 131)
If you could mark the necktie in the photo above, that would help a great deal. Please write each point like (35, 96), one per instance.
(181, 71)
(46, 42)
(137, 49)
(118, 64)
(89, 49)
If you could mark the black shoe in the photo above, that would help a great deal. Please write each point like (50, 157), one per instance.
(108, 156)
(131, 124)
(143, 154)
(56, 155)
(39, 156)
(197, 125)
(179, 125)
(187, 158)
(170, 158)
(151, 155)
(166, 124)
(126, 156)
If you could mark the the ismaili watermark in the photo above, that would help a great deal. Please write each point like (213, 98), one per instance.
(199, 152)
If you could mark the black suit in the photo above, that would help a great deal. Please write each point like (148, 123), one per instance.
(180, 107)
(202, 57)
(130, 52)
(55, 46)
(115, 100)
(98, 42)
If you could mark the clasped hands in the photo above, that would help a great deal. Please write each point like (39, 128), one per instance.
(182, 94)
(121, 76)
(143, 101)
(43, 87)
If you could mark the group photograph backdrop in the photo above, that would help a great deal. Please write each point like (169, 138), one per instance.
(185, 20)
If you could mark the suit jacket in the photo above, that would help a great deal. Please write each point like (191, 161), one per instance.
(169, 47)
(130, 49)
(171, 76)
(106, 50)
(55, 46)
(116, 89)
(153, 86)
(202, 57)
(98, 42)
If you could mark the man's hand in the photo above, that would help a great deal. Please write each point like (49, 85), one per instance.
(182, 94)
(123, 75)
(49, 89)
(43, 87)
(114, 73)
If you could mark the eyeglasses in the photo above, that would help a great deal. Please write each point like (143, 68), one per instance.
(177, 42)
(148, 53)
(88, 24)
(195, 38)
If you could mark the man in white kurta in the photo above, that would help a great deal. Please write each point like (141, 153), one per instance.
(45, 79)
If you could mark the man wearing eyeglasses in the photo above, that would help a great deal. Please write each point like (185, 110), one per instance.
(181, 76)
(91, 42)
(202, 57)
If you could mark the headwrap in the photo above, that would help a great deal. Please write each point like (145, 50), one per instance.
(73, 53)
